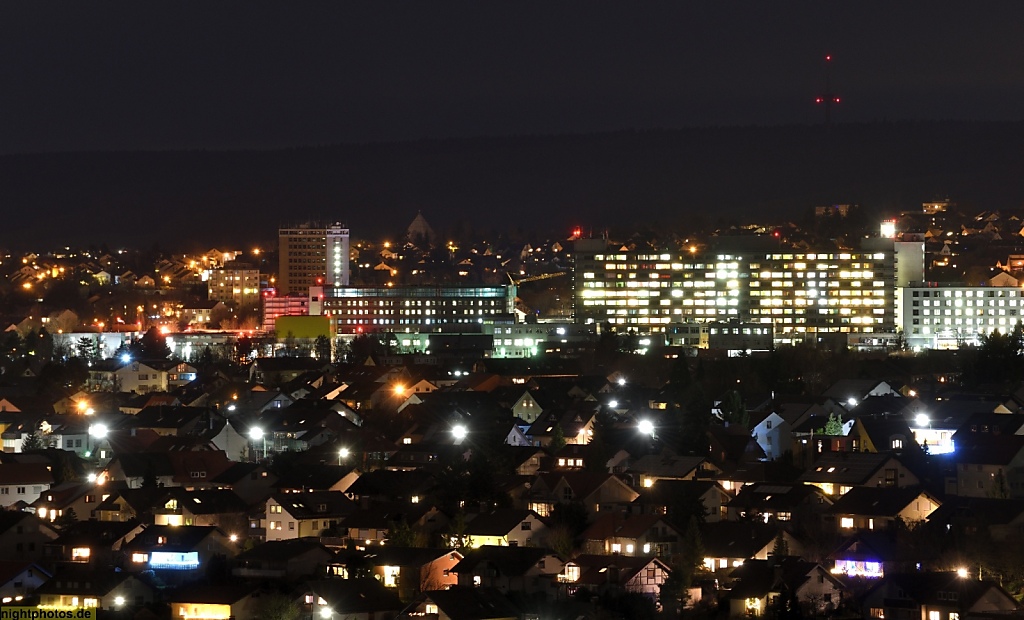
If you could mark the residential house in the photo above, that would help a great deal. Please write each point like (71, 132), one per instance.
(19, 579)
(104, 588)
(880, 508)
(648, 469)
(759, 586)
(178, 554)
(528, 570)
(596, 491)
(937, 596)
(728, 544)
(373, 524)
(352, 599)
(615, 573)
(411, 570)
(463, 603)
(835, 473)
(92, 542)
(677, 499)
(506, 527)
(283, 559)
(205, 601)
(802, 504)
(297, 515)
(23, 482)
(631, 535)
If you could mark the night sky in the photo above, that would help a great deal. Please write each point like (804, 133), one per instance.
(80, 76)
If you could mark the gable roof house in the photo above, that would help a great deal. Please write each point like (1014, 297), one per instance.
(760, 584)
(282, 559)
(528, 570)
(177, 554)
(728, 544)
(803, 504)
(675, 499)
(880, 508)
(23, 482)
(937, 595)
(615, 573)
(628, 534)
(463, 603)
(835, 473)
(363, 598)
(19, 579)
(506, 527)
(297, 515)
(92, 542)
(98, 587)
(596, 491)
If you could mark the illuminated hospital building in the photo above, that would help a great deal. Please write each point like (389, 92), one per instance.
(802, 294)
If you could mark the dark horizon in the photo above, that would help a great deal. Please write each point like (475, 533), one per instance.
(258, 75)
(546, 184)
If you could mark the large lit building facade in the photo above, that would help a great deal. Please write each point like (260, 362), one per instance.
(801, 294)
(948, 316)
(235, 284)
(312, 254)
(410, 309)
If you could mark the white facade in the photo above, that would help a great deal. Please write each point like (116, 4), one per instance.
(948, 316)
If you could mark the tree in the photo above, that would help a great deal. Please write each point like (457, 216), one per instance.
(66, 519)
(32, 441)
(457, 537)
(401, 535)
(734, 411)
(999, 490)
(152, 345)
(557, 439)
(834, 425)
(278, 607)
(87, 349)
(322, 348)
(781, 547)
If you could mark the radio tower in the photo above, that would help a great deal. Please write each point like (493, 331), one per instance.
(827, 98)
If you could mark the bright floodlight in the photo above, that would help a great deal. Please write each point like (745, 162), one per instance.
(325, 612)
(622, 381)
(961, 572)
(343, 453)
(98, 431)
(459, 432)
(613, 404)
(126, 358)
(646, 427)
(119, 600)
(851, 402)
(256, 433)
(921, 419)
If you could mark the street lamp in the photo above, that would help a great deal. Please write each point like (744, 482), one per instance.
(459, 432)
(342, 454)
(326, 613)
(256, 434)
(646, 427)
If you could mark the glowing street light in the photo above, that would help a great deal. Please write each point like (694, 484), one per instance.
(99, 431)
(256, 434)
(459, 432)
(962, 573)
(646, 427)
(326, 613)
(342, 454)
(922, 420)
